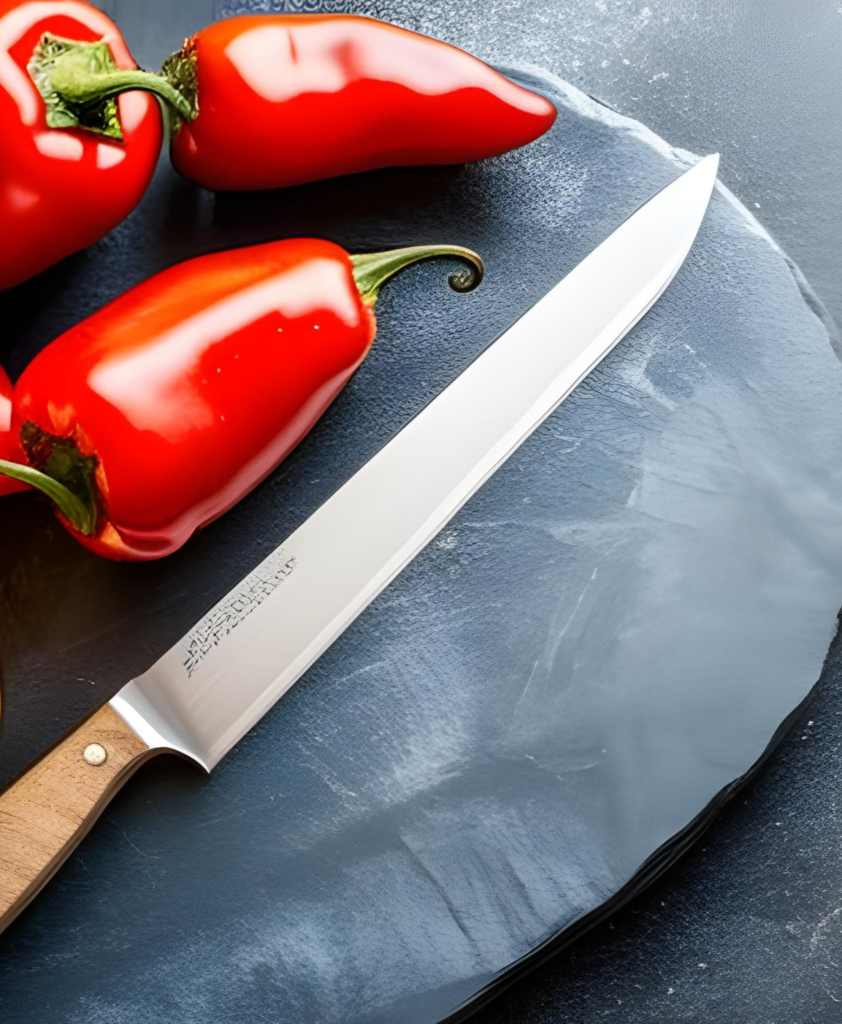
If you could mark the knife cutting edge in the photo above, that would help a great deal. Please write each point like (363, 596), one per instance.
(205, 693)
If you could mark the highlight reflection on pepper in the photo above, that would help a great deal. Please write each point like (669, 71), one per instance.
(266, 101)
(63, 188)
(158, 413)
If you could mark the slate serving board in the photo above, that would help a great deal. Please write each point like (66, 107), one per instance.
(543, 709)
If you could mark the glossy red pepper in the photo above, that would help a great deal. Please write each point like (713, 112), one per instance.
(62, 188)
(10, 449)
(155, 415)
(275, 100)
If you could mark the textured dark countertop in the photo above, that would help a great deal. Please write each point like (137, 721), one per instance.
(748, 927)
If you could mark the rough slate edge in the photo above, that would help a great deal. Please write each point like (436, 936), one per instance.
(650, 871)
(670, 852)
(592, 107)
(539, 79)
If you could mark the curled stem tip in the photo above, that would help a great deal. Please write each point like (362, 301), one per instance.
(373, 269)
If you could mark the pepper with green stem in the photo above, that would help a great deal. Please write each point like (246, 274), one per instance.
(266, 101)
(154, 416)
(61, 187)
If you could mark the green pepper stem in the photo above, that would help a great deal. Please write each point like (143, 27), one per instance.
(79, 81)
(72, 79)
(373, 269)
(78, 515)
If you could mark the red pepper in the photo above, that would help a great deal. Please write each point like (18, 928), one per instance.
(63, 188)
(10, 449)
(275, 100)
(158, 413)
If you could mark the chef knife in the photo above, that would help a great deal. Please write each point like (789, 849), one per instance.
(205, 693)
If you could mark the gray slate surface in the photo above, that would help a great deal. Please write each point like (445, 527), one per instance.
(635, 401)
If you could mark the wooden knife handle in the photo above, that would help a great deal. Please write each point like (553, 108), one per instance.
(47, 812)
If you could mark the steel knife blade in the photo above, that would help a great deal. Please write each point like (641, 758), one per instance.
(212, 686)
(205, 693)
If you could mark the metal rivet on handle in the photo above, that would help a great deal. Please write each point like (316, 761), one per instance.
(95, 754)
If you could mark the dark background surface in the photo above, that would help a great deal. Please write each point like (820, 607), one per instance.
(749, 926)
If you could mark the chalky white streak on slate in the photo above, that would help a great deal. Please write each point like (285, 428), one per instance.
(211, 688)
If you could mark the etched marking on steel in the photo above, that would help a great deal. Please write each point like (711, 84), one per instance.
(237, 606)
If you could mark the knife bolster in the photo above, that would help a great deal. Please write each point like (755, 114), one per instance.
(48, 811)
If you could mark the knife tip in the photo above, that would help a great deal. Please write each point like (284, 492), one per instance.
(704, 172)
